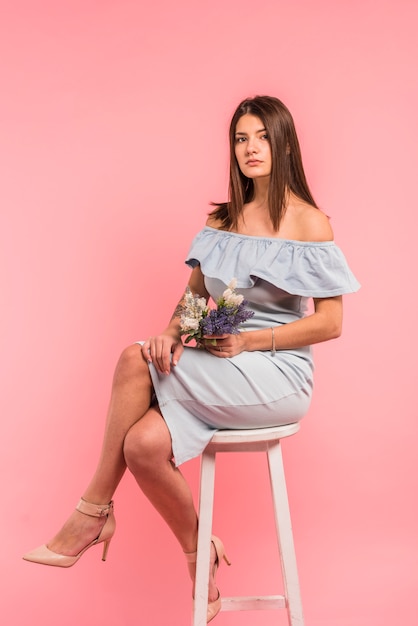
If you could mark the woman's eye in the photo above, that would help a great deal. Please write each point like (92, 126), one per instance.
(239, 139)
(265, 136)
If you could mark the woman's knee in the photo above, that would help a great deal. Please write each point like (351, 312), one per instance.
(131, 364)
(146, 445)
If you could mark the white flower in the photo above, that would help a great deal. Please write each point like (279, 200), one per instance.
(188, 297)
(193, 311)
(233, 299)
(201, 304)
(189, 323)
(230, 297)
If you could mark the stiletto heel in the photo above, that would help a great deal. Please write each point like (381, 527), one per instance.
(220, 550)
(191, 557)
(44, 556)
(105, 549)
(215, 607)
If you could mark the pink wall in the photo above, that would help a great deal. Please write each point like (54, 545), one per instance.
(113, 122)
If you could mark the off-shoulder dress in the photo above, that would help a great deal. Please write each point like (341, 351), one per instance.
(205, 393)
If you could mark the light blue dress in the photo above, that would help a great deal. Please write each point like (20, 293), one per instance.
(204, 393)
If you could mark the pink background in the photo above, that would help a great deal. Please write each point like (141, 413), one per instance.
(113, 122)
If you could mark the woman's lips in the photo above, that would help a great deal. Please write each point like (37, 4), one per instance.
(253, 162)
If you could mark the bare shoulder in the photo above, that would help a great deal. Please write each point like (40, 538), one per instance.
(311, 223)
(316, 225)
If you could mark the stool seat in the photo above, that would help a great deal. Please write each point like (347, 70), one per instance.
(266, 440)
(251, 436)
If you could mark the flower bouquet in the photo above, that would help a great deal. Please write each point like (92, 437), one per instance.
(198, 320)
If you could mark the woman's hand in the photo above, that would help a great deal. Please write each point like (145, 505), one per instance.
(223, 346)
(158, 350)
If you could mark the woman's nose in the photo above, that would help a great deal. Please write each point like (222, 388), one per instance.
(251, 147)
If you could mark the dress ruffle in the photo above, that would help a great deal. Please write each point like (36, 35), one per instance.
(302, 268)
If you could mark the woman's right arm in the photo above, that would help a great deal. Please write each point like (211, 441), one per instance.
(166, 349)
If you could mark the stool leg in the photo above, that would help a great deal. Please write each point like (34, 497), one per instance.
(206, 495)
(284, 534)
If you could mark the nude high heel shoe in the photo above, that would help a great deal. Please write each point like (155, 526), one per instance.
(45, 556)
(191, 557)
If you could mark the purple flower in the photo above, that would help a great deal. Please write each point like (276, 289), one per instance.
(225, 320)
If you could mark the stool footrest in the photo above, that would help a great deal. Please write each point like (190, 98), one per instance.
(253, 603)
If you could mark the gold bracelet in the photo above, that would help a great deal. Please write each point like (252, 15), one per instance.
(273, 342)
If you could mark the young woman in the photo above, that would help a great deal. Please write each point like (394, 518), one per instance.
(167, 399)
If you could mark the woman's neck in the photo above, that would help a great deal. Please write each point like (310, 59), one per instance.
(261, 191)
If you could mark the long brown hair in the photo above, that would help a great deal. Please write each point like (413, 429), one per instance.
(287, 171)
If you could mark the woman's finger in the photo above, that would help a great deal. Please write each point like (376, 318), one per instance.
(146, 350)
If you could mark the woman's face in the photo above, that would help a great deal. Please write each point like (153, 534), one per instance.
(252, 147)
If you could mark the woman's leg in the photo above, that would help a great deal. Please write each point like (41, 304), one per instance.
(148, 454)
(130, 400)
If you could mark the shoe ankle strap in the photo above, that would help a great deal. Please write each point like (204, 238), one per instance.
(191, 557)
(94, 510)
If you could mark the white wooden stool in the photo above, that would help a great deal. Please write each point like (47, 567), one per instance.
(255, 440)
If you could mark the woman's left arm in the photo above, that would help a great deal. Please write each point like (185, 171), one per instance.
(324, 324)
